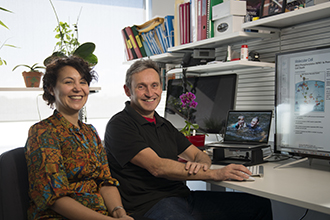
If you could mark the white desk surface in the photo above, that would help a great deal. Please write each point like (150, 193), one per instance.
(299, 184)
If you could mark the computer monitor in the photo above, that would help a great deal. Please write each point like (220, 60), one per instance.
(215, 95)
(302, 112)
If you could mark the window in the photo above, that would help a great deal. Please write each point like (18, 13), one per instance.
(31, 29)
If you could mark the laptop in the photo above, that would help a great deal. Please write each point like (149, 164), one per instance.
(246, 130)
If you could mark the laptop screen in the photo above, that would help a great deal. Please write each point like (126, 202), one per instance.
(248, 126)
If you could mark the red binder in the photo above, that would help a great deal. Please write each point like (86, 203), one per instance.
(188, 40)
(181, 23)
(133, 41)
(202, 20)
(129, 55)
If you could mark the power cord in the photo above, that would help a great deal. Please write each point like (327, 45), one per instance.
(304, 214)
(38, 107)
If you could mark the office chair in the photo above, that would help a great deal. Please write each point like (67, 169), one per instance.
(14, 199)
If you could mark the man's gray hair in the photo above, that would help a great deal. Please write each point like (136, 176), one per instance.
(139, 66)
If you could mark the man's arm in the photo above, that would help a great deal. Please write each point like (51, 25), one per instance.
(196, 158)
(174, 170)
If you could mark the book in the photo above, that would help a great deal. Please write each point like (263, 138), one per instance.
(169, 30)
(139, 40)
(133, 41)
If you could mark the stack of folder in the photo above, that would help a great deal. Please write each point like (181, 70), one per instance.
(151, 38)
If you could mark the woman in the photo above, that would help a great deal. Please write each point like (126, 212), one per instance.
(69, 177)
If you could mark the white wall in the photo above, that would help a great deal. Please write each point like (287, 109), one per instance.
(31, 29)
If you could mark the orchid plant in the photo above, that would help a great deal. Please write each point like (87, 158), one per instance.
(188, 103)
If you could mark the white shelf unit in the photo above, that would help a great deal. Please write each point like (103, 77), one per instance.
(291, 18)
(162, 58)
(238, 66)
(226, 39)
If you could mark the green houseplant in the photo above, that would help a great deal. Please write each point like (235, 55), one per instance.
(68, 43)
(188, 105)
(32, 77)
(2, 61)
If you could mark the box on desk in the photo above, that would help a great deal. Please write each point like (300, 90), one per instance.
(231, 7)
(228, 24)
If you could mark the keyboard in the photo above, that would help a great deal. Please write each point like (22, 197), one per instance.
(256, 170)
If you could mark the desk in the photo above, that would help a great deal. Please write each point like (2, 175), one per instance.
(299, 184)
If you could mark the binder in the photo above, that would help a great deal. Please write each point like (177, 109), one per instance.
(133, 41)
(193, 20)
(202, 20)
(181, 21)
(210, 24)
(146, 41)
(169, 30)
(139, 41)
(157, 39)
(129, 54)
(177, 22)
(188, 33)
(161, 37)
(129, 43)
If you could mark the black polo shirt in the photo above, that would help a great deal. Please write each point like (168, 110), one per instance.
(127, 133)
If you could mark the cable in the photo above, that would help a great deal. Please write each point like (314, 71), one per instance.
(38, 107)
(304, 214)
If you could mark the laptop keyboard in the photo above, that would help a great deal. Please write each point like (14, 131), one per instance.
(256, 170)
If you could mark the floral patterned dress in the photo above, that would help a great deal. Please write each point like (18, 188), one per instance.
(64, 160)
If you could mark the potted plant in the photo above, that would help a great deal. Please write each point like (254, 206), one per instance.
(68, 43)
(32, 77)
(188, 104)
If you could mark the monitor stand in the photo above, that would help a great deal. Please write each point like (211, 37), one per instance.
(255, 157)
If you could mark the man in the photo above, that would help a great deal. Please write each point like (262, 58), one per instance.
(256, 130)
(143, 149)
(240, 124)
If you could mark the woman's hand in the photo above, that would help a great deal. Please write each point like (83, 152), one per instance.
(126, 217)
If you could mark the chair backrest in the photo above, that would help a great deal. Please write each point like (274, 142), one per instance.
(14, 199)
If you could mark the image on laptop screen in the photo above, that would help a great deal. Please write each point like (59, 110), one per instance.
(248, 126)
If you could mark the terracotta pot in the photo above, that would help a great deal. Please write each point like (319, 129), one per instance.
(32, 79)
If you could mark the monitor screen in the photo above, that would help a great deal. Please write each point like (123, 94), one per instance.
(302, 112)
(215, 95)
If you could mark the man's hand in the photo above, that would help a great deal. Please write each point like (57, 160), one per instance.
(231, 172)
(194, 167)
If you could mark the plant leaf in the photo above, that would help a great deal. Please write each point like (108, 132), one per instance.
(2, 24)
(91, 59)
(84, 50)
(9, 45)
(3, 9)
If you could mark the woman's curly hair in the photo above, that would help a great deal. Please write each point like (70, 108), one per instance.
(52, 70)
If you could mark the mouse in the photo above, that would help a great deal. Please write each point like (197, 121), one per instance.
(250, 177)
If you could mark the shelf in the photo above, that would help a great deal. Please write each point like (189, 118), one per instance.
(222, 40)
(25, 89)
(233, 66)
(291, 18)
(163, 58)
